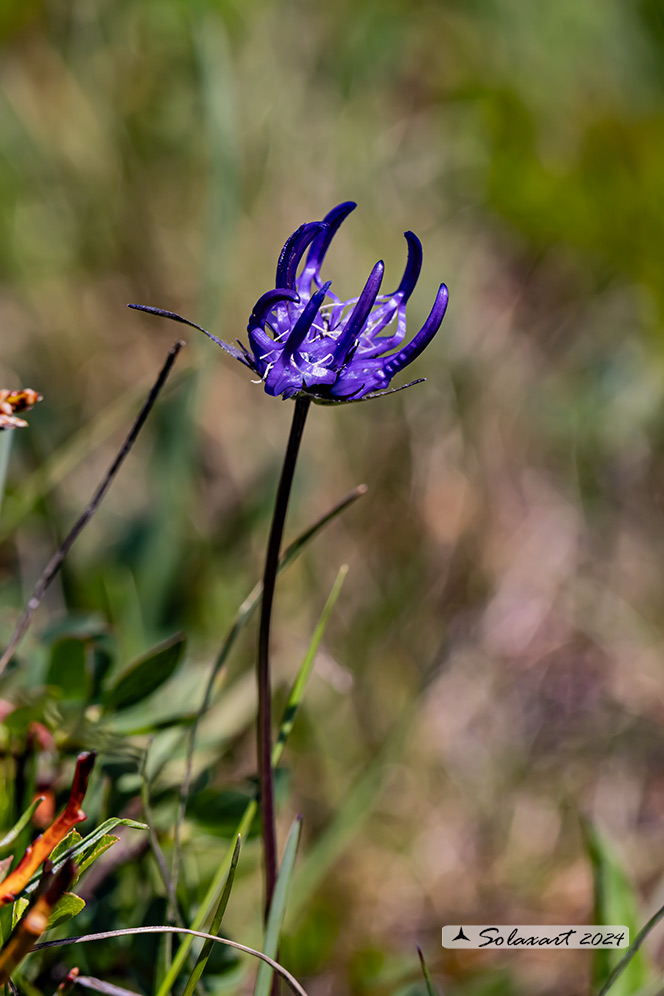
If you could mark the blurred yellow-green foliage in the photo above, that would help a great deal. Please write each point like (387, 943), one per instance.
(495, 664)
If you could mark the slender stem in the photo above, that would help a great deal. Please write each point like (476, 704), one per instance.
(130, 931)
(264, 725)
(55, 563)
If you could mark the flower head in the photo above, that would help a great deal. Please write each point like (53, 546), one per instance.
(16, 401)
(305, 340)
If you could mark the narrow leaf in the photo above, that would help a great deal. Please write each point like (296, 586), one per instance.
(614, 902)
(306, 667)
(18, 909)
(431, 989)
(87, 843)
(96, 851)
(206, 950)
(145, 675)
(278, 908)
(9, 839)
(71, 840)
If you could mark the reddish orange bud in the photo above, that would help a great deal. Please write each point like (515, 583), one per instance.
(72, 814)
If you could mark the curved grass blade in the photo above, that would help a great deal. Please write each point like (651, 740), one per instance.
(206, 950)
(614, 902)
(431, 989)
(356, 806)
(275, 917)
(130, 931)
(250, 812)
(10, 837)
(5, 446)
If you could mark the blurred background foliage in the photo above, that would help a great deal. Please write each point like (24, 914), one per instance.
(494, 666)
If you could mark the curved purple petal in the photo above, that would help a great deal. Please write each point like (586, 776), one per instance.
(293, 251)
(299, 331)
(266, 303)
(263, 347)
(321, 244)
(413, 266)
(406, 355)
(359, 314)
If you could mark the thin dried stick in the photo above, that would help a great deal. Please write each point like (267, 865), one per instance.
(55, 563)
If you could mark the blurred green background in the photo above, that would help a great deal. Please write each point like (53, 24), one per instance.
(494, 665)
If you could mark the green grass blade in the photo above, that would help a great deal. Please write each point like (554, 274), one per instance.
(306, 668)
(5, 447)
(277, 909)
(356, 807)
(11, 836)
(206, 950)
(614, 902)
(252, 808)
(431, 989)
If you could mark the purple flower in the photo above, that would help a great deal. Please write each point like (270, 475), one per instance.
(304, 340)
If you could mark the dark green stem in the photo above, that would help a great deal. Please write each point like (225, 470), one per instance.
(264, 725)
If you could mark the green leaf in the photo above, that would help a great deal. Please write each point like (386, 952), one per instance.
(128, 726)
(145, 675)
(75, 626)
(277, 909)
(85, 845)
(65, 909)
(306, 667)
(66, 669)
(9, 839)
(206, 950)
(218, 812)
(96, 851)
(71, 840)
(614, 902)
(18, 909)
